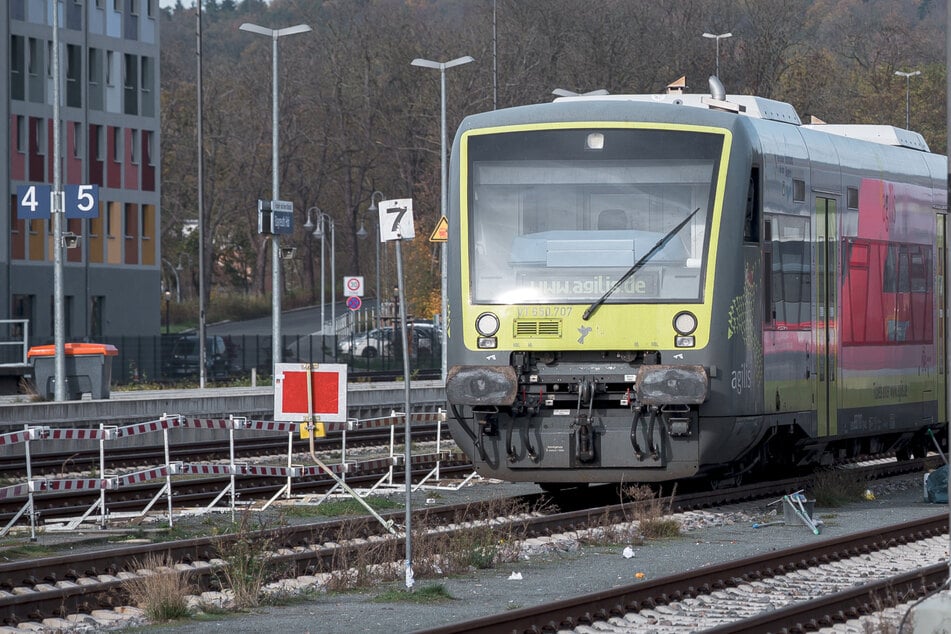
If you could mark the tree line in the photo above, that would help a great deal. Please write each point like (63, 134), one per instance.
(355, 117)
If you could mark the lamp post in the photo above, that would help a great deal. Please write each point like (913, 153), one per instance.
(168, 322)
(362, 233)
(178, 284)
(721, 36)
(274, 34)
(907, 77)
(319, 232)
(441, 67)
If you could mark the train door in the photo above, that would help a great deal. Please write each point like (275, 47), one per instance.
(826, 303)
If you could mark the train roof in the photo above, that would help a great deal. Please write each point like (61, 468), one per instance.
(769, 110)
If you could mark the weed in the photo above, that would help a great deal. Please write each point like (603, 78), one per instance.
(651, 512)
(832, 488)
(336, 508)
(430, 593)
(248, 561)
(160, 590)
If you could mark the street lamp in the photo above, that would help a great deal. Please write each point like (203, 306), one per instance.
(721, 36)
(178, 284)
(362, 233)
(319, 232)
(907, 77)
(274, 34)
(168, 322)
(441, 67)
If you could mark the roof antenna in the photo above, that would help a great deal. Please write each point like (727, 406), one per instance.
(717, 99)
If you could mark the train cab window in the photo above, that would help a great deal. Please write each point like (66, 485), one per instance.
(550, 221)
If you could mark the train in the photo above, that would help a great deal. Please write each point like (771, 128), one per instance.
(673, 286)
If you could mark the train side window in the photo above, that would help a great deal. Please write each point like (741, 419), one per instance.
(751, 218)
(798, 190)
(852, 197)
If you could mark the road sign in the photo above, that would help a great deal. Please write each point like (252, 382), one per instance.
(325, 401)
(396, 219)
(33, 202)
(441, 232)
(82, 201)
(354, 303)
(275, 217)
(353, 286)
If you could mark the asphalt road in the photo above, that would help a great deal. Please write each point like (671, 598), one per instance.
(300, 321)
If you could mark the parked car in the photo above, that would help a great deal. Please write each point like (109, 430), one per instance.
(368, 344)
(184, 360)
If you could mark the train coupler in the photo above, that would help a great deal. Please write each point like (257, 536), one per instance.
(584, 435)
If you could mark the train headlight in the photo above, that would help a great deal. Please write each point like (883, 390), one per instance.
(685, 323)
(487, 324)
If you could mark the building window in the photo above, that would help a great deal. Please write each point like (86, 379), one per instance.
(148, 138)
(134, 150)
(40, 139)
(17, 68)
(109, 59)
(33, 66)
(131, 84)
(100, 132)
(74, 76)
(77, 139)
(21, 133)
(134, 7)
(117, 145)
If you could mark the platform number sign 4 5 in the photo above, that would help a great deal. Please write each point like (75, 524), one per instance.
(34, 202)
(396, 219)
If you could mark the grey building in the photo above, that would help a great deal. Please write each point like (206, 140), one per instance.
(110, 137)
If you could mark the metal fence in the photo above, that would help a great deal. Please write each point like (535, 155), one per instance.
(160, 358)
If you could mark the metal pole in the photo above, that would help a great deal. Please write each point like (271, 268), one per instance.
(275, 239)
(379, 305)
(444, 264)
(718, 56)
(59, 330)
(274, 34)
(444, 186)
(202, 374)
(333, 281)
(907, 102)
(407, 431)
(323, 319)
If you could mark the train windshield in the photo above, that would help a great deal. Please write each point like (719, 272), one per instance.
(560, 216)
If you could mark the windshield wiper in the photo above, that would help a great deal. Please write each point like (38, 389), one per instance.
(637, 265)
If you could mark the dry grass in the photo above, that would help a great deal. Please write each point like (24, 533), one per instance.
(436, 551)
(249, 560)
(160, 590)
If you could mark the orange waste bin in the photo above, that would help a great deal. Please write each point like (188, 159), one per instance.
(88, 369)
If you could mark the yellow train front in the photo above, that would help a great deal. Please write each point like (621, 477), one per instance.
(655, 287)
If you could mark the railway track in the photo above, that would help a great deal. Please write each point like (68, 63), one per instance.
(80, 583)
(788, 591)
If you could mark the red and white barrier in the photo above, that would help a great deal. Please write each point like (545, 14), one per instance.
(290, 472)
